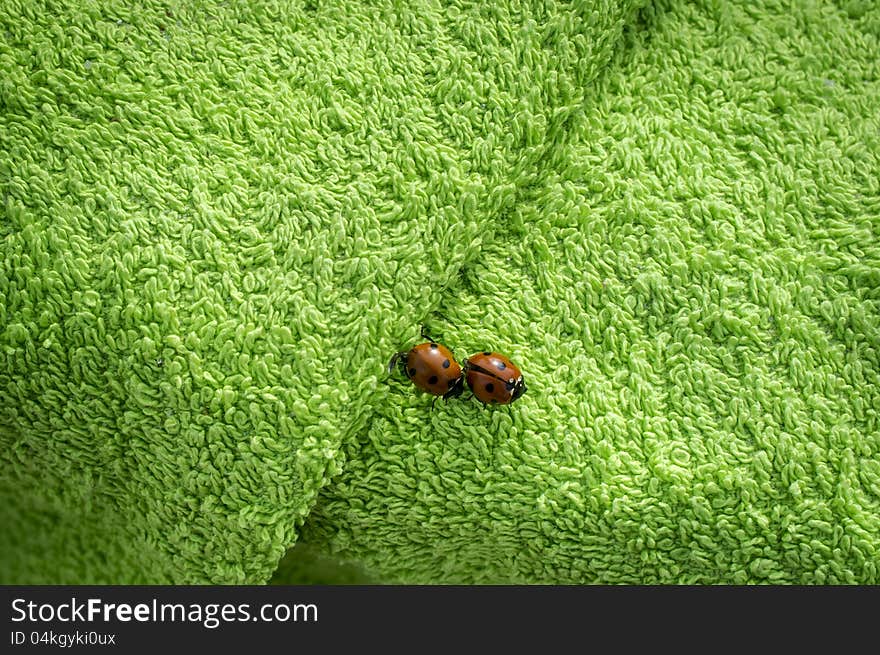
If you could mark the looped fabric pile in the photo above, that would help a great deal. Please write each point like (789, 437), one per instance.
(220, 220)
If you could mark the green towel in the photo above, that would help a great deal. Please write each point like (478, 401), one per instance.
(221, 219)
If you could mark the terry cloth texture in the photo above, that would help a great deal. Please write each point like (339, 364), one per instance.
(221, 219)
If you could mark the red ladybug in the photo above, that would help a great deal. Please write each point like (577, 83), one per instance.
(493, 378)
(432, 368)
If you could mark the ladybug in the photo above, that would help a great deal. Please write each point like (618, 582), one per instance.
(432, 368)
(493, 378)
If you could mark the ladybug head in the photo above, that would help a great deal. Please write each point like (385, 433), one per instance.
(456, 387)
(519, 388)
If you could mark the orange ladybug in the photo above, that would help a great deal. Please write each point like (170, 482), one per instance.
(432, 368)
(493, 378)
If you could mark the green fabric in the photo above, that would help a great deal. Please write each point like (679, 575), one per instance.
(221, 219)
(305, 564)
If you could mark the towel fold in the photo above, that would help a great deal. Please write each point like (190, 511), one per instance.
(221, 219)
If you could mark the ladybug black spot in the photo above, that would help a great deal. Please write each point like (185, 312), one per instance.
(433, 346)
(490, 387)
(487, 353)
(412, 372)
(445, 363)
(501, 365)
(432, 380)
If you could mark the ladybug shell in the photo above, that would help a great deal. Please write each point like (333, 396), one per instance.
(493, 378)
(432, 368)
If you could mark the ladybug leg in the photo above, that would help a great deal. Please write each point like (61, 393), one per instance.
(433, 402)
(425, 335)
